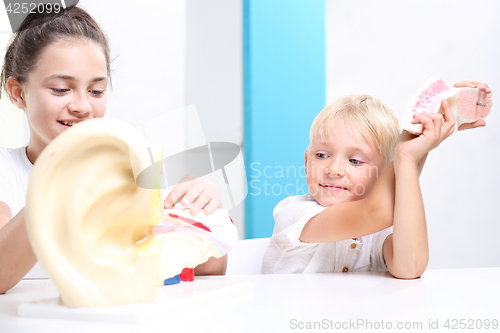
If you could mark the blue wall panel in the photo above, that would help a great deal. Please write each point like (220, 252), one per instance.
(284, 89)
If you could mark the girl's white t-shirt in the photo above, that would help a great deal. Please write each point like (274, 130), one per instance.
(15, 171)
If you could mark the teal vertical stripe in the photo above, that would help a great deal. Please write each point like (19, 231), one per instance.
(284, 89)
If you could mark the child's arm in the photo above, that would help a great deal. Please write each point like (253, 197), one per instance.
(349, 220)
(406, 251)
(357, 218)
(16, 255)
(376, 211)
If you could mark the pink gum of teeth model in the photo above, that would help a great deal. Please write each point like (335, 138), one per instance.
(467, 104)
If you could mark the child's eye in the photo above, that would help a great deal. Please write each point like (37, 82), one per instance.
(97, 92)
(59, 91)
(354, 161)
(321, 155)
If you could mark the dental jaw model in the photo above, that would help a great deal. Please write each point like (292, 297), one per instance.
(467, 104)
(90, 224)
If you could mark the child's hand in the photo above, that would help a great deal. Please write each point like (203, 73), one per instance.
(437, 127)
(473, 84)
(200, 192)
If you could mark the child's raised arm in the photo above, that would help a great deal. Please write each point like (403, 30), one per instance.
(406, 251)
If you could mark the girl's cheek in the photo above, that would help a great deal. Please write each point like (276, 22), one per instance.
(102, 108)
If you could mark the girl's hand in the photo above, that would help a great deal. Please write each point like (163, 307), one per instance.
(200, 192)
(437, 127)
(473, 84)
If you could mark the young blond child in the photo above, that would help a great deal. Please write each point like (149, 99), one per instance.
(353, 220)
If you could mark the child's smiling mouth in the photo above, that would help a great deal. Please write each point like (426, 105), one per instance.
(334, 187)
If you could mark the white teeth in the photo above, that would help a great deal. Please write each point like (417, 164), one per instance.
(68, 123)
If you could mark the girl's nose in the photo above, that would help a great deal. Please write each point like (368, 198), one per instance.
(80, 105)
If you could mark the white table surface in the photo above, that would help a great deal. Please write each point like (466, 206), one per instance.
(282, 303)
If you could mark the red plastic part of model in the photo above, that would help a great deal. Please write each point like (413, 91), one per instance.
(187, 275)
(190, 221)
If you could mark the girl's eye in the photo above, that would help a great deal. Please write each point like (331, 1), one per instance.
(97, 92)
(354, 161)
(59, 91)
(321, 155)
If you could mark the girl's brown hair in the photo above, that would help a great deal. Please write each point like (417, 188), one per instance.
(40, 30)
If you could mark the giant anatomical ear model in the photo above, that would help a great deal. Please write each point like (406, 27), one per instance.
(87, 219)
(95, 218)
(467, 104)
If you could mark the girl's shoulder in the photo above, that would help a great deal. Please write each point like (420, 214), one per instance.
(10, 154)
(6, 155)
(15, 170)
(14, 159)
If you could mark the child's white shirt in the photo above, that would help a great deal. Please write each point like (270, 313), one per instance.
(287, 254)
(15, 171)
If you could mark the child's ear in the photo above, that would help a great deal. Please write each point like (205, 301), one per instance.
(305, 157)
(15, 90)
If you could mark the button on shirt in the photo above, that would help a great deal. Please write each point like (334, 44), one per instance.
(287, 254)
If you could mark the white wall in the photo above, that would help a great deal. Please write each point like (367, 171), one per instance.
(12, 120)
(215, 74)
(148, 45)
(388, 48)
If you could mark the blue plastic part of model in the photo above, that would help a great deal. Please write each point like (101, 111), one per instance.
(173, 280)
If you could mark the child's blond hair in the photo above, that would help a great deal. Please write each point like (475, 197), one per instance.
(364, 114)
